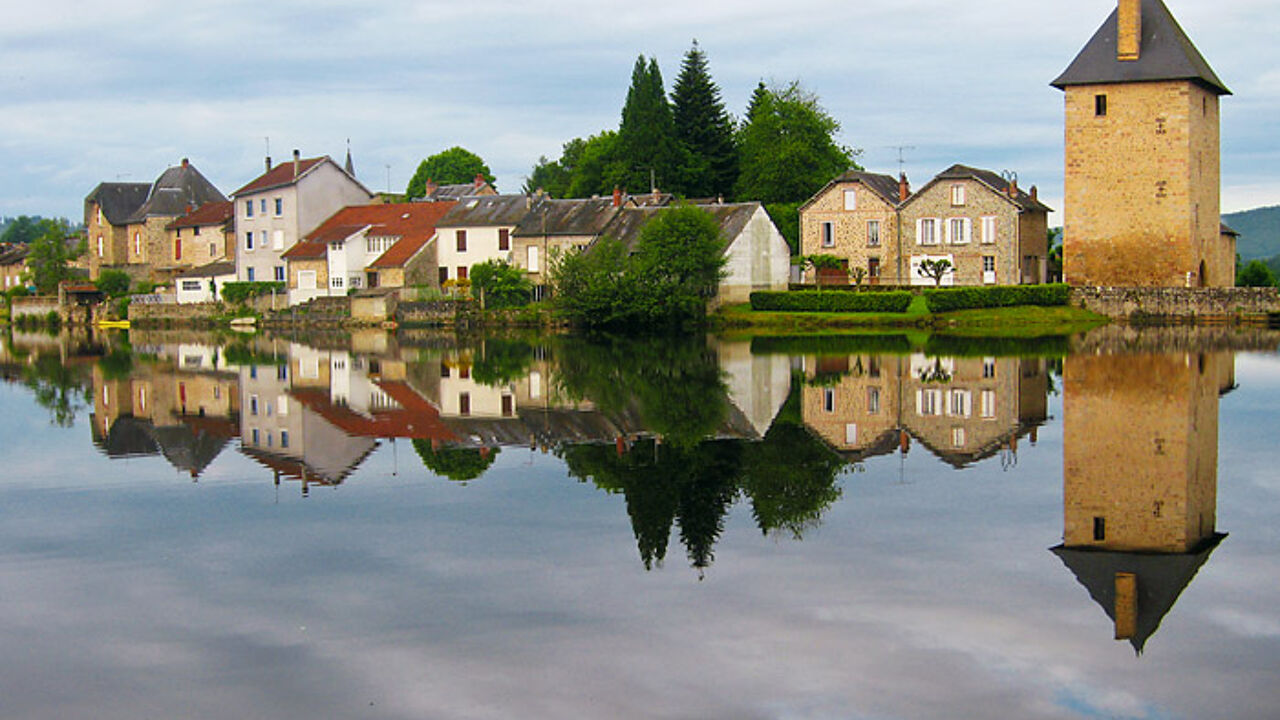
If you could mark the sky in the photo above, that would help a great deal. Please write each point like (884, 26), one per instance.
(94, 91)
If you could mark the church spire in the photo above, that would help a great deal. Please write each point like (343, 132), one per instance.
(350, 167)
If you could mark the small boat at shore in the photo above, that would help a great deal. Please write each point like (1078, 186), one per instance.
(114, 324)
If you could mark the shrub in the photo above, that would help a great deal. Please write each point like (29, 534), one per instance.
(500, 285)
(238, 292)
(812, 301)
(114, 283)
(964, 298)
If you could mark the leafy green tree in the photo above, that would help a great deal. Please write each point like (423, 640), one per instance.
(704, 127)
(450, 167)
(786, 217)
(115, 283)
(648, 149)
(47, 261)
(549, 176)
(679, 261)
(1255, 274)
(499, 284)
(594, 288)
(23, 229)
(457, 464)
(594, 167)
(935, 270)
(787, 148)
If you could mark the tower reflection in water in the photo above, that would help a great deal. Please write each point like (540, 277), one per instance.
(1140, 477)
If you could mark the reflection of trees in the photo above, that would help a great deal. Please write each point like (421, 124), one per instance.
(500, 361)
(57, 388)
(456, 463)
(791, 479)
(674, 383)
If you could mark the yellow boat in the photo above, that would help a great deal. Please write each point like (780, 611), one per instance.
(117, 324)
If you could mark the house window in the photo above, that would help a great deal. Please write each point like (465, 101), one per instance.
(504, 239)
(957, 437)
(248, 272)
(988, 407)
(100, 247)
(279, 273)
(851, 434)
(873, 233)
(988, 263)
(927, 232)
(177, 248)
(462, 240)
(284, 439)
(137, 244)
(957, 195)
(262, 205)
(356, 280)
(1099, 529)
(444, 275)
(195, 230)
(279, 207)
(213, 250)
(929, 402)
(850, 200)
(277, 239)
(873, 268)
(254, 434)
(248, 240)
(958, 231)
(248, 208)
(828, 400)
(828, 235)
(191, 285)
(988, 368)
(444, 370)
(508, 406)
(464, 403)
(988, 230)
(336, 282)
(959, 403)
(462, 272)
(533, 259)
(873, 400)
(253, 404)
(1100, 105)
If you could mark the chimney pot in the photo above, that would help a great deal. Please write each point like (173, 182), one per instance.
(185, 162)
(1129, 31)
(268, 163)
(297, 157)
(1034, 193)
(904, 187)
(617, 196)
(479, 181)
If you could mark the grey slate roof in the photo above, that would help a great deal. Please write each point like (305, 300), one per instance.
(1225, 229)
(1023, 200)
(627, 223)
(1166, 53)
(486, 211)
(212, 270)
(886, 186)
(1161, 579)
(567, 217)
(177, 191)
(14, 254)
(118, 200)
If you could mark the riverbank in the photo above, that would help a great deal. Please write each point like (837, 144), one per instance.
(1022, 321)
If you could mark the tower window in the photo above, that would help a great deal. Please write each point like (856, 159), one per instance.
(1100, 105)
(1099, 529)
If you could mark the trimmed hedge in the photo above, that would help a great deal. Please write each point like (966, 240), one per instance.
(238, 292)
(964, 298)
(813, 301)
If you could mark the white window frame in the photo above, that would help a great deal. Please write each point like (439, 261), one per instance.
(306, 279)
(533, 260)
(931, 238)
(959, 403)
(277, 239)
(873, 233)
(957, 195)
(957, 437)
(987, 405)
(850, 200)
(965, 226)
(929, 402)
(828, 237)
(828, 400)
(336, 282)
(988, 229)
(851, 433)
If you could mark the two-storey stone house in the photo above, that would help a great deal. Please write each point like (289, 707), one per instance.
(990, 231)
(855, 218)
(279, 207)
(477, 229)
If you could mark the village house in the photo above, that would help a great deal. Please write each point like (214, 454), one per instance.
(204, 283)
(1142, 185)
(13, 263)
(456, 191)
(366, 246)
(127, 223)
(553, 227)
(279, 207)
(855, 218)
(757, 256)
(204, 235)
(990, 231)
(478, 229)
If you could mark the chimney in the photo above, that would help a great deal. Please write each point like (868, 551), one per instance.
(479, 181)
(185, 162)
(1035, 195)
(1129, 34)
(904, 187)
(297, 158)
(431, 187)
(268, 163)
(617, 196)
(1013, 186)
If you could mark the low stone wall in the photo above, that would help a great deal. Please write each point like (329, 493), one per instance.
(1177, 304)
(149, 314)
(433, 312)
(39, 306)
(1116, 339)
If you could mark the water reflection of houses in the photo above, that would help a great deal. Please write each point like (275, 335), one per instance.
(1140, 450)
(178, 401)
(963, 409)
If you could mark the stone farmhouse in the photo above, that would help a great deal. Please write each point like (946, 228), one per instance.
(989, 230)
(13, 263)
(127, 223)
(204, 235)
(279, 207)
(559, 226)
(1142, 157)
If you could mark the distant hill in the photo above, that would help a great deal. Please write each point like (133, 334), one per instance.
(1259, 232)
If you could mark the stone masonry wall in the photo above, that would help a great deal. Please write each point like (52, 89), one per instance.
(849, 231)
(934, 201)
(1181, 303)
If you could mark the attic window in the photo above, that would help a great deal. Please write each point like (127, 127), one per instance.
(1100, 105)
(473, 203)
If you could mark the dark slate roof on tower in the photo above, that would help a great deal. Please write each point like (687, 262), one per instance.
(118, 200)
(177, 191)
(1166, 53)
(1161, 579)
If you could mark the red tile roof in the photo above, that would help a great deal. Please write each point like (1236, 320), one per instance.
(280, 175)
(211, 213)
(412, 223)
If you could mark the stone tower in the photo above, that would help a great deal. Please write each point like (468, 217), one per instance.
(1142, 157)
(1140, 477)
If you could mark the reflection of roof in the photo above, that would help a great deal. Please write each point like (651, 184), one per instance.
(298, 469)
(416, 418)
(1161, 579)
(127, 437)
(960, 459)
(1165, 53)
(189, 447)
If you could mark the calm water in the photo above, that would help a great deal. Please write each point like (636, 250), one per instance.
(414, 527)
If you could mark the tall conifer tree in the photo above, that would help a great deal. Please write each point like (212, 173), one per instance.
(647, 145)
(704, 128)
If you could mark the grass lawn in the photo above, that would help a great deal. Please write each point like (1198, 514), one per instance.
(1023, 321)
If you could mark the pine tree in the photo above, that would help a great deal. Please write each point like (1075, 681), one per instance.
(704, 128)
(647, 146)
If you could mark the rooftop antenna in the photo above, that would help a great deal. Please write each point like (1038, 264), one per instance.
(901, 148)
(388, 178)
